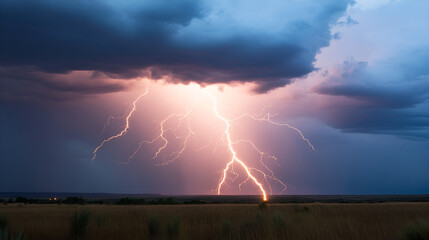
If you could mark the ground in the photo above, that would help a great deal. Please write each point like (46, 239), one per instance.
(214, 221)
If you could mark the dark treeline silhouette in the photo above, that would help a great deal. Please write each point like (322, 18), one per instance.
(206, 199)
(80, 200)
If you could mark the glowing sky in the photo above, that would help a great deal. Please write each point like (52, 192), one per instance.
(352, 76)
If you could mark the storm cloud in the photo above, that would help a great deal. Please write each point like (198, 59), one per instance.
(389, 96)
(268, 43)
(67, 66)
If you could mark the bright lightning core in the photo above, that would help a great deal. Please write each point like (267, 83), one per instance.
(178, 128)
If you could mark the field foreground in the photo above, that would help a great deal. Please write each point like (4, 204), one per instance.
(216, 221)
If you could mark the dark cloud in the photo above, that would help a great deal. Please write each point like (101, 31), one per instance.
(30, 83)
(389, 97)
(181, 40)
(354, 81)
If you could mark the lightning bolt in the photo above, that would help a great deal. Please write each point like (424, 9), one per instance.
(183, 121)
(266, 176)
(267, 118)
(161, 136)
(113, 117)
(234, 155)
(127, 125)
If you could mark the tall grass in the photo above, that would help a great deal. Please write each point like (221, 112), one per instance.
(101, 219)
(375, 221)
(173, 228)
(153, 226)
(418, 230)
(3, 222)
(299, 208)
(278, 220)
(79, 223)
(262, 205)
(4, 235)
(226, 228)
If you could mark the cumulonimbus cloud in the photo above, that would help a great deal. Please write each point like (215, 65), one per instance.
(265, 42)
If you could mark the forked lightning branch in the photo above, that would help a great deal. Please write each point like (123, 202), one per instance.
(184, 120)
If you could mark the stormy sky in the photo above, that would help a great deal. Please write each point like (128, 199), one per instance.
(352, 75)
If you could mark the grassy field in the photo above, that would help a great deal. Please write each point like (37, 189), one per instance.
(217, 221)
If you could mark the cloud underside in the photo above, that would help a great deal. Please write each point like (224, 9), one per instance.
(181, 41)
(61, 50)
(387, 97)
